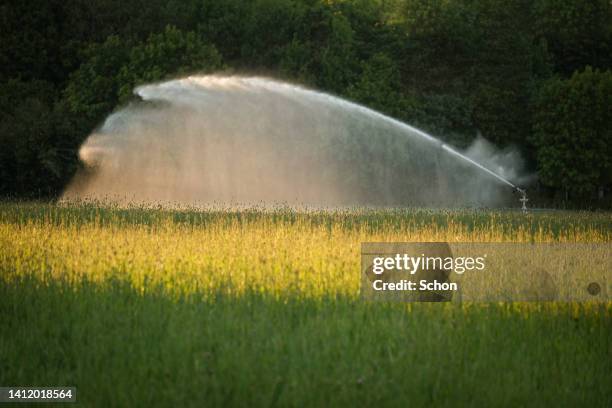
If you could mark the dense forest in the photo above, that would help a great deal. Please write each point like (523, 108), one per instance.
(535, 74)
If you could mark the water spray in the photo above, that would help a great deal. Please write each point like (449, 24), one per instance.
(266, 83)
(521, 191)
(215, 139)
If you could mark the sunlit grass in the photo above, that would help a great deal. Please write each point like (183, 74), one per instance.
(145, 306)
(313, 253)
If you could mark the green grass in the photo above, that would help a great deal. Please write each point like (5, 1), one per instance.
(145, 307)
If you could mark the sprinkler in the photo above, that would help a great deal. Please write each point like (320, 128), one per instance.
(523, 198)
(522, 192)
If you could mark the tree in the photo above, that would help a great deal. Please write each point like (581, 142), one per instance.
(480, 54)
(171, 53)
(378, 86)
(93, 89)
(30, 41)
(577, 33)
(453, 68)
(113, 68)
(573, 132)
(35, 160)
(322, 50)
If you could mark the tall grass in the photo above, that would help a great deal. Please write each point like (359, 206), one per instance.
(143, 306)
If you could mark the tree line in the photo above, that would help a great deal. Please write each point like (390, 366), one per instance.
(535, 74)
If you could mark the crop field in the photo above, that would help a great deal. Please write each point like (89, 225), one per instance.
(151, 306)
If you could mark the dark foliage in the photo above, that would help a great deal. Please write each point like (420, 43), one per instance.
(513, 70)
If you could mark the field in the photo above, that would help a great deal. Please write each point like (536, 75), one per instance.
(155, 307)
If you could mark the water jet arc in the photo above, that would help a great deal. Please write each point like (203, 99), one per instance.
(521, 191)
(251, 140)
(395, 122)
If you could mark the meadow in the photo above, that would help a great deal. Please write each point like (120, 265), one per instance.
(185, 307)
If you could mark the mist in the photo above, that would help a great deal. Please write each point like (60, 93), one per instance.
(227, 141)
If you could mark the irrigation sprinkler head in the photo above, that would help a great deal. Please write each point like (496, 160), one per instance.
(523, 198)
